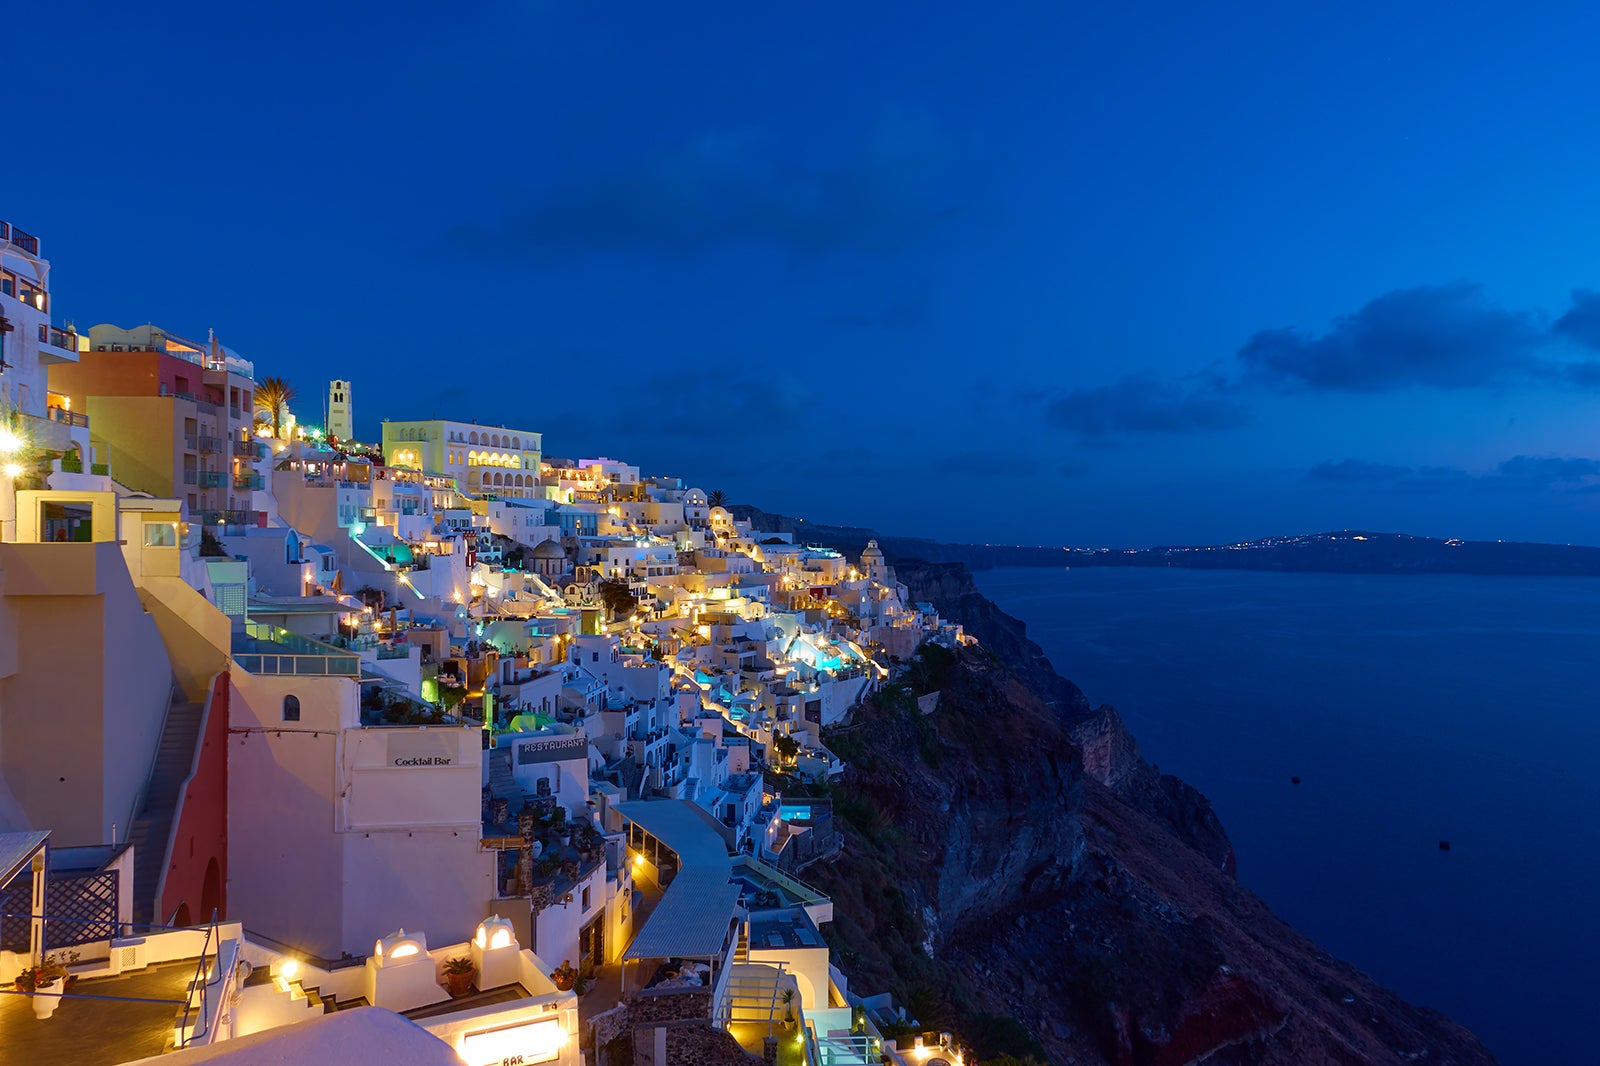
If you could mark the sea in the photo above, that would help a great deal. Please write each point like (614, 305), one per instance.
(1414, 709)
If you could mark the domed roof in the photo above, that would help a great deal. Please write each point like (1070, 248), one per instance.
(873, 551)
(548, 549)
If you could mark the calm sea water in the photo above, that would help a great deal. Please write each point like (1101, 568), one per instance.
(1414, 709)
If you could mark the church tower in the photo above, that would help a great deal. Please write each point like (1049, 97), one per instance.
(341, 422)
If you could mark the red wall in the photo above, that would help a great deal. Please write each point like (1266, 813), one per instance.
(201, 836)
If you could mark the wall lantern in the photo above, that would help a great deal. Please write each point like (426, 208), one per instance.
(399, 946)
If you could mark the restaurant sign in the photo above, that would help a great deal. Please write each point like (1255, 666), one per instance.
(422, 749)
(552, 749)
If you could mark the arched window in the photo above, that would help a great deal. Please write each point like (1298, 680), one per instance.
(291, 708)
(472, 438)
(516, 442)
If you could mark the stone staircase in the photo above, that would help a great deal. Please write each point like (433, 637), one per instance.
(152, 828)
(501, 781)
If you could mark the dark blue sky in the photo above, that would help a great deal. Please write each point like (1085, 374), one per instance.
(1129, 274)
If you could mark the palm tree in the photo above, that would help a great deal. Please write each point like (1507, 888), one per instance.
(273, 395)
(715, 498)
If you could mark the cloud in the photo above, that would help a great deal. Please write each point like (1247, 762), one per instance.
(1581, 322)
(1143, 404)
(735, 188)
(1449, 336)
(1542, 473)
(1357, 471)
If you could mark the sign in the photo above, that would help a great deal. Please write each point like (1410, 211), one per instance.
(422, 749)
(552, 749)
(514, 1045)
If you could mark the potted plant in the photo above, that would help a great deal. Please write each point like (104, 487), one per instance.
(788, 1010)
(43, 982)
(564, 975)
(458, 975)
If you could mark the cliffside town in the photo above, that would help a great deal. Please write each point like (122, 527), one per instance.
(557, 761)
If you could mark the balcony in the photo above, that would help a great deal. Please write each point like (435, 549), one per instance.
(264, 649)
(191, 477)
(226, 518)
(66, 417)
(211, 479)
(57, 345)
(208, 444)
(249, 449)
(249, 481)
(25, 241)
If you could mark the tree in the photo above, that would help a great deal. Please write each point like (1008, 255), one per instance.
(617, 597)
(716, 498)
(273, 396)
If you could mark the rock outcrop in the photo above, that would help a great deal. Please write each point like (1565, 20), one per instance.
(1017, 871)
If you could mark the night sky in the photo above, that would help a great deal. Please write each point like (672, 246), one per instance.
(1121, 274)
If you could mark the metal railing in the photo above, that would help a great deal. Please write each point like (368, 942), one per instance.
(248, 481)
(209, 444)
(211, 479)
(213, 945)
(71, 418)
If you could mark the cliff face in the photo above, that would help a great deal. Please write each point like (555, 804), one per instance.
(1016, 871)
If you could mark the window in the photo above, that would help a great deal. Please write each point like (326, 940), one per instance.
(291, 708)
(585, 897)
(160, 535)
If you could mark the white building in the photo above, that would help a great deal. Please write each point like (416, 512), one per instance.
(483, 460)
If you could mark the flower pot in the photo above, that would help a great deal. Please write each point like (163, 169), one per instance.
(458, 984)
(46, 999)
(563, 984)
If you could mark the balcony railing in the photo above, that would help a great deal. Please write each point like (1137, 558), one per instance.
(249, 481)
(211, 479)
(227, 518)
(26, 241)
(58, 338)
(208, 444)
(264, 649)
(191, 477)
(249, 449)
(66, 417)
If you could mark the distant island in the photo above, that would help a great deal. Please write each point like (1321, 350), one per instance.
(1344, 552)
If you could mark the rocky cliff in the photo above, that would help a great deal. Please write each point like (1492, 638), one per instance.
(1017, 872)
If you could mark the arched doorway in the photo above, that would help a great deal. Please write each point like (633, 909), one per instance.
(211, 891)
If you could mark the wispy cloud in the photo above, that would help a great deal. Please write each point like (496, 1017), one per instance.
(1526, 473)
(730, 188)
(1144, 404)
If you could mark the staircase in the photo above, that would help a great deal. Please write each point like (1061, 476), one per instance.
(152, 829)
(501, 781)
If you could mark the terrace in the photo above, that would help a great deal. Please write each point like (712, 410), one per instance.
(266, 649)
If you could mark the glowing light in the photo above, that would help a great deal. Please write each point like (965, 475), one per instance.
(527, 1043)
(9, 441)
(289, 970)
(13, 470)
(403, 951)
